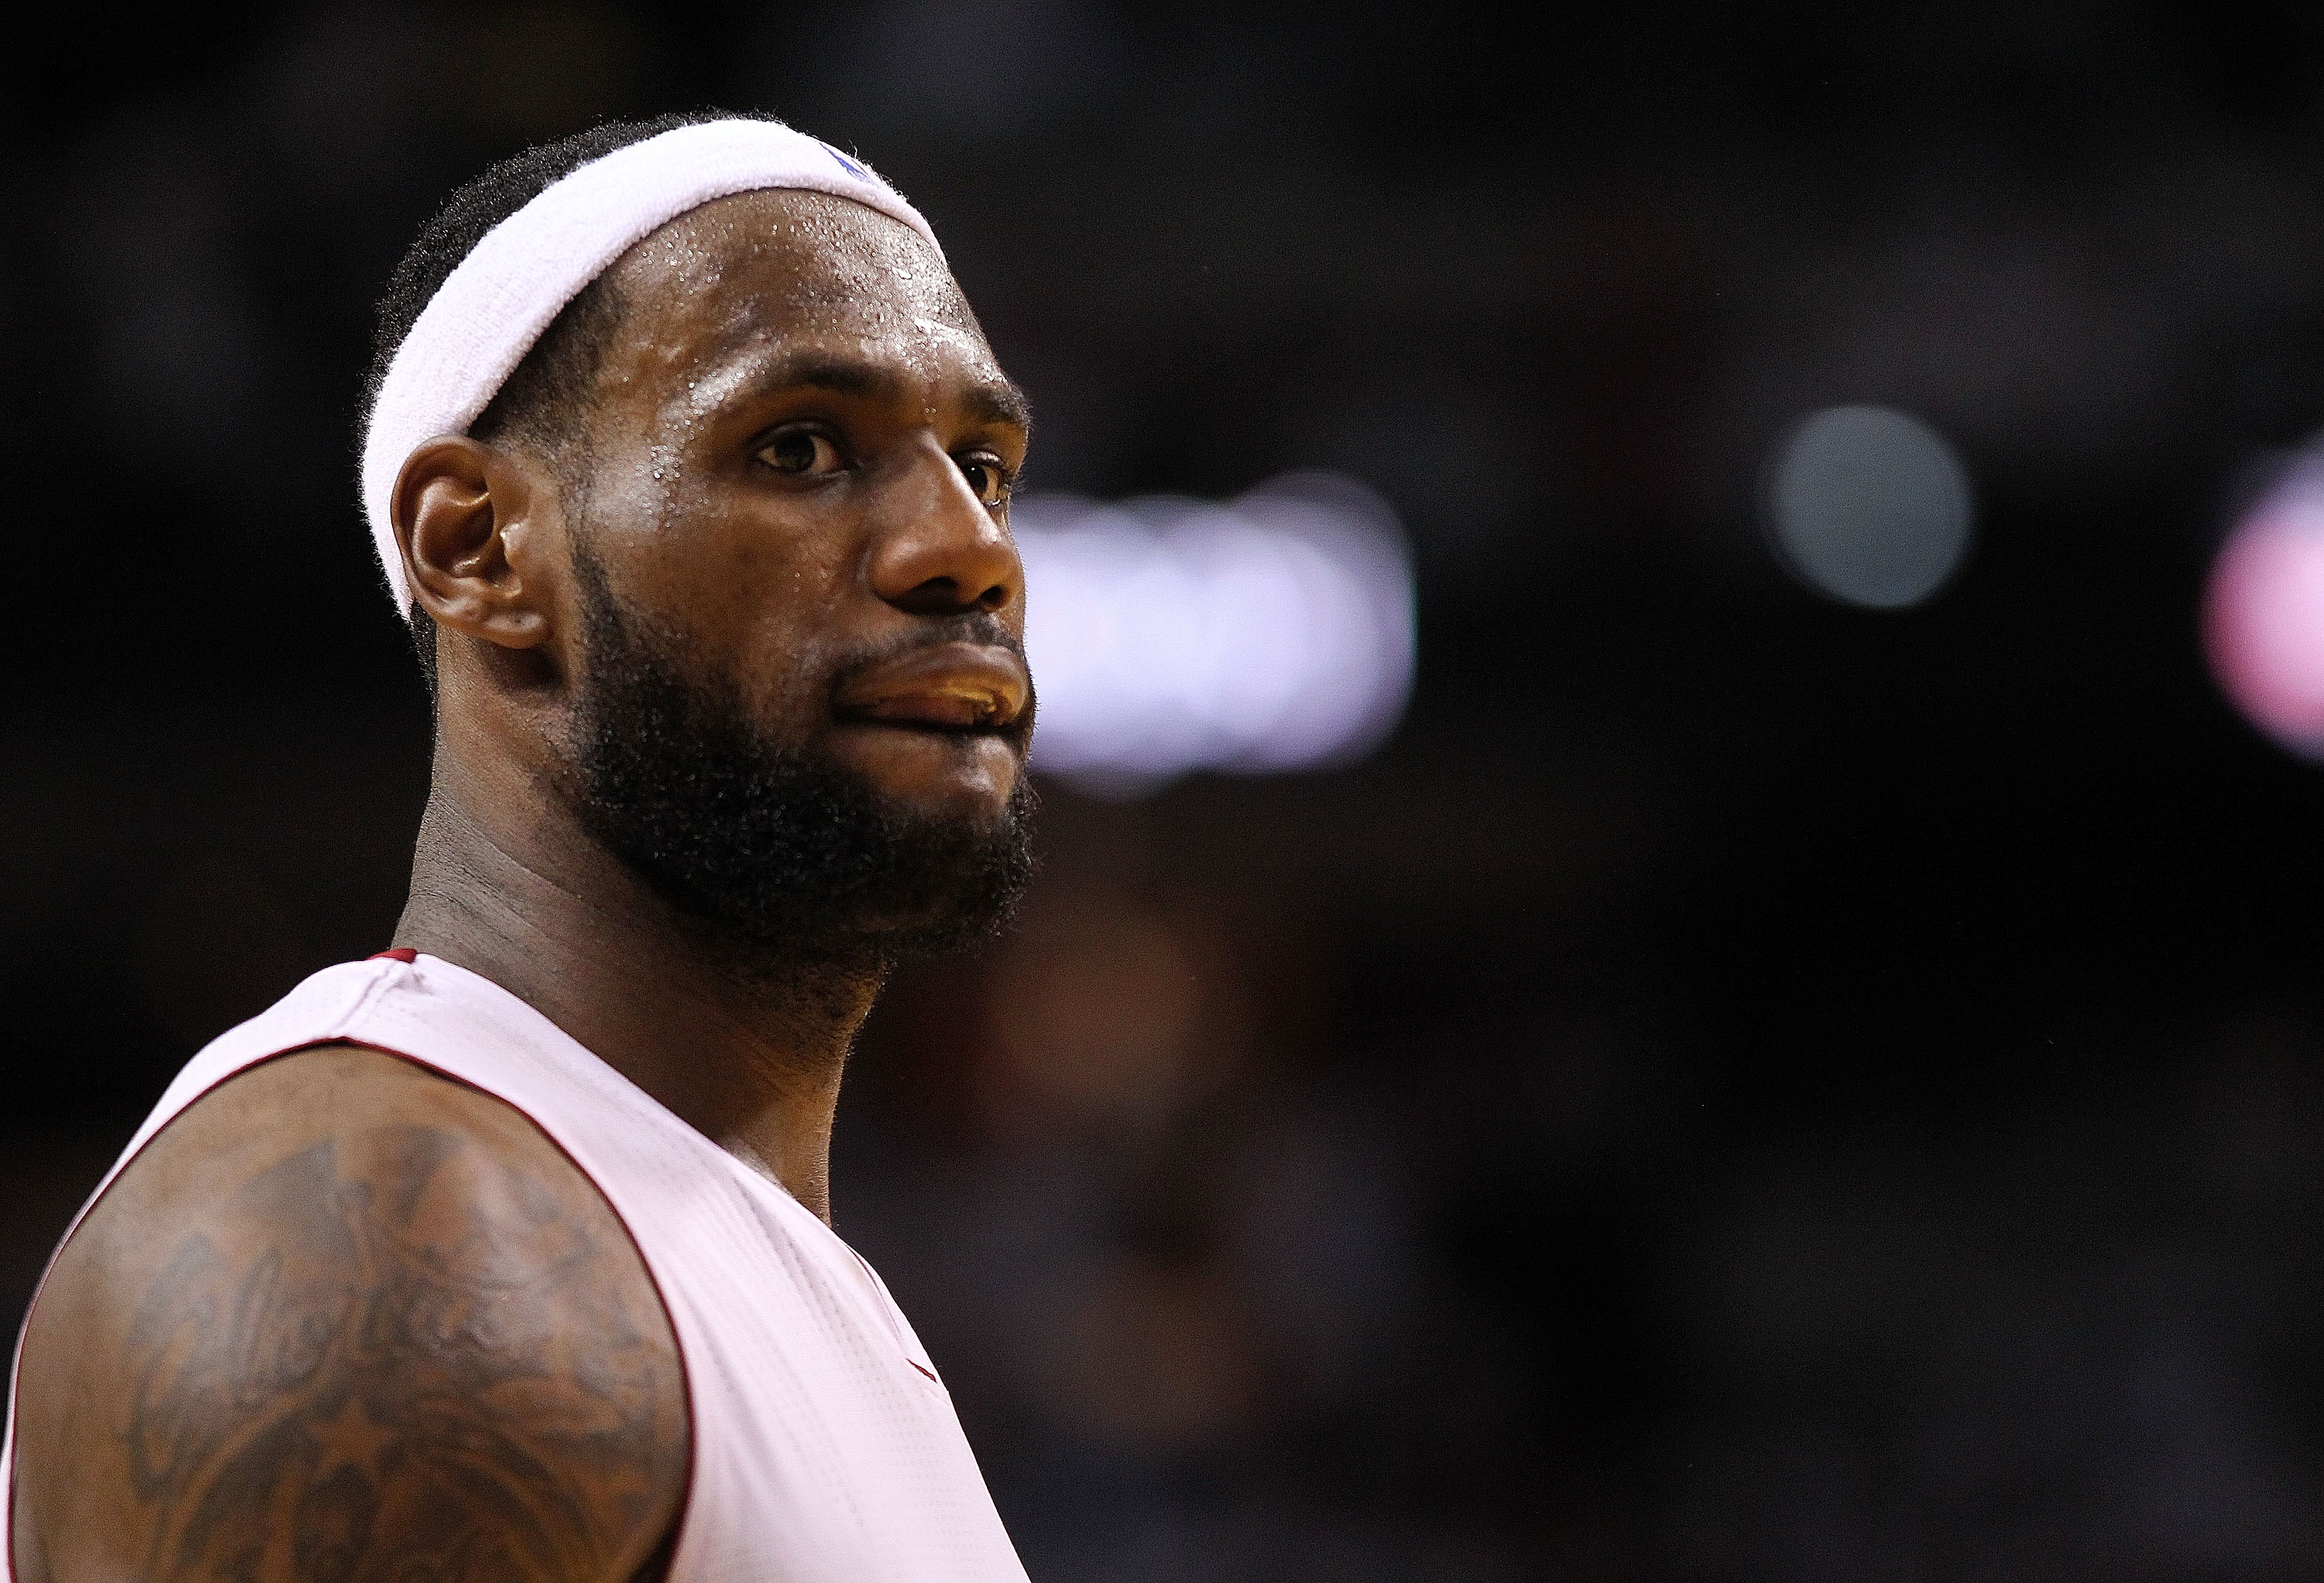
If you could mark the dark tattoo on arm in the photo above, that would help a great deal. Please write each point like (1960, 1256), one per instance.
(426, 1365)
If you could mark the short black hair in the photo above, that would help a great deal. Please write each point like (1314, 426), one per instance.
(546, 391)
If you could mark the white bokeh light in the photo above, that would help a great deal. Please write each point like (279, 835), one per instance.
(1272, 632)
(1870, 506)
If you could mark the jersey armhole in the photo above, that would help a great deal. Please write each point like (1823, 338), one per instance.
(665, 1552)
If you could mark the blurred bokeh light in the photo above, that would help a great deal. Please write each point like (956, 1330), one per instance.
(2263, 612)
(1273, 632)
(1869, 506)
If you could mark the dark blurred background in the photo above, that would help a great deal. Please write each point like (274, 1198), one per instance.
(1738, 1087)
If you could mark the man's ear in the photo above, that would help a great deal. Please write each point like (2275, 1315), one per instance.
(471, 521)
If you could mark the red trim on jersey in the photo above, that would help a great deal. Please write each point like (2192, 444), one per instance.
(407, 956)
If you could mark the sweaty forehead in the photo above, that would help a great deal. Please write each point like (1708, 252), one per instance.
(762, 268)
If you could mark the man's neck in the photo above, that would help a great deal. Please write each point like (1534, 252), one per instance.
(750, 1061)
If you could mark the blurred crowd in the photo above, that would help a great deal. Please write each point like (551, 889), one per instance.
(1227, 1287)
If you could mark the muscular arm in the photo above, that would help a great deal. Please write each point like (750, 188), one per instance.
(344, 1320)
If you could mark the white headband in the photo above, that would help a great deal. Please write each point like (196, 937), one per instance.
(503, 295)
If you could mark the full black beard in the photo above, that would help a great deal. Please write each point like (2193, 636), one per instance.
(781, 859)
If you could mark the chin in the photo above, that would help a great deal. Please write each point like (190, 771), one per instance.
(947, 776)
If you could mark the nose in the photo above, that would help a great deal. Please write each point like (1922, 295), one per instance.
(939, 552)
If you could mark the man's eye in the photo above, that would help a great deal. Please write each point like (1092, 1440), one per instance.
(986, 477)
(801, 451)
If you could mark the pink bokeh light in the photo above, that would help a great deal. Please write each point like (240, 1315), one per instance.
(2263, 618)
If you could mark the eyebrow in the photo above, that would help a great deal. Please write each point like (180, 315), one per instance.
(995, 400)
(999, 402)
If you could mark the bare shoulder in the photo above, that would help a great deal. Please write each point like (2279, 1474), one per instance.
(345, 1318)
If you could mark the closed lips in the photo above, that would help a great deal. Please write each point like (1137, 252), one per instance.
(951, 687)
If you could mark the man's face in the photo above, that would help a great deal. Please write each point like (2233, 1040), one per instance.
(796, 609)
(797, 464)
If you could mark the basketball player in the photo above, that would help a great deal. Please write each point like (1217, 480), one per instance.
(504, 1255)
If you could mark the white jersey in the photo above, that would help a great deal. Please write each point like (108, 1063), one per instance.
(825, 1449)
